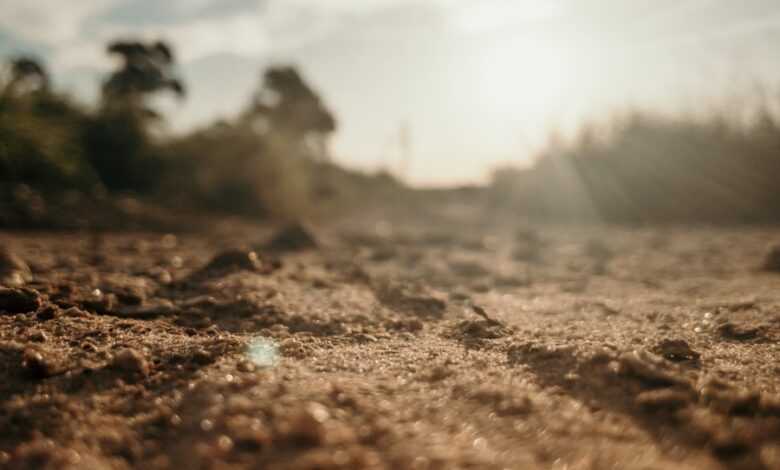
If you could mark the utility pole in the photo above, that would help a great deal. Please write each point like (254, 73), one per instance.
(404, 148)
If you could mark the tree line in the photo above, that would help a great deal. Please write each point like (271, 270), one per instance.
(50, 142)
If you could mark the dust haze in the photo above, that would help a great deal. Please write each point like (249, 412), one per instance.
(389, 234)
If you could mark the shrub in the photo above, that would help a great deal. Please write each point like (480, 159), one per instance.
(648, 168)
(118, 147)
(40, 143)
(232, 168)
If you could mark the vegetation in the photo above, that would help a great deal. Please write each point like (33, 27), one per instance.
(288, 109)
(271, 159)
(40, 141)
(642, 167)
(259, 163)
(262, 162)
(116, 138)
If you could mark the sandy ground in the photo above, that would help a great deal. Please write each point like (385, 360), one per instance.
(389, 346)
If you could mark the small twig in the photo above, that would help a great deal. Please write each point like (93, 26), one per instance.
(482, 313)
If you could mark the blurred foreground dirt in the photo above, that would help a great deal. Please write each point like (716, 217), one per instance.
(385, 345)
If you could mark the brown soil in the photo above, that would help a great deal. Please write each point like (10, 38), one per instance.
(376, 346)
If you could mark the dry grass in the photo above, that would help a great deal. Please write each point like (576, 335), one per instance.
(642, 167)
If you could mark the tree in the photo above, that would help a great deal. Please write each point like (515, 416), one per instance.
(23, 77)
(145, 69)
(40, 131)
(117, 139)
(288, 108)
(27, 75)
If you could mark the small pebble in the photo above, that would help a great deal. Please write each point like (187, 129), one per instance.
(19, 300)
(38, 365)
(664, 399)
(130, 361)
(224, 443)
(13, 270)
(38, 336)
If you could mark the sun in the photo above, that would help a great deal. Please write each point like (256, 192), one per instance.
(522, 75)
(517, 72)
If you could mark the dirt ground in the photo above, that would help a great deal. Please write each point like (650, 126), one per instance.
(380, 345)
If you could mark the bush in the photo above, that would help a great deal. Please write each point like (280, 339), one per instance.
(270, 162)
(232, 168)
(118, 147)
(647, 168)
(40, 143)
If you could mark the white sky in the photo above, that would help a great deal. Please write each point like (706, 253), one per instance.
(479, 82)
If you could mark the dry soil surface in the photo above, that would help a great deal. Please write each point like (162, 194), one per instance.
(378, 346)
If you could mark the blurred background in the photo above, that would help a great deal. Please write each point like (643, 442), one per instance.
(602, 110)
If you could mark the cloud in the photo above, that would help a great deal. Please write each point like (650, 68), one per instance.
(12, 45)
(54, 27)
(491, 15)
(240, 34)
(76, 32)
(48, 22)
(155, 12)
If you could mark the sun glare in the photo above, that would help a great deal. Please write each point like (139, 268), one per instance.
(516, 71)
(521, 72)
(490, 15)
